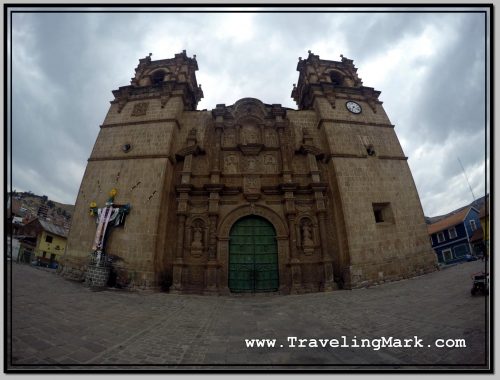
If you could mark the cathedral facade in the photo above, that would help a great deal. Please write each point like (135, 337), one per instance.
(251, 197)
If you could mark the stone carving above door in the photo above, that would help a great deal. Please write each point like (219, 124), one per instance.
(252, 164)
(249, 135)
(251, 184)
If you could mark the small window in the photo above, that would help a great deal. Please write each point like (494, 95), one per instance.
(473, 224)
(44, 254)
(48, 239)
(452, 232)
(440, 237)
(383, 213)
(447, 254)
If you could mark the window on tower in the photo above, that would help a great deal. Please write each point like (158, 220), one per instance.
(336, 78)
(157, 77)
(383, 213)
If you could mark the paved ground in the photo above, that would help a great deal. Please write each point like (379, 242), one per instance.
(60, 324)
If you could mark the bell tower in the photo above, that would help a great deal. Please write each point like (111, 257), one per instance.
(376, 211)
(164, 78)
(135, 154)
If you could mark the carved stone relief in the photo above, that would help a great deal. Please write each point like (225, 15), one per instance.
(270, 164)
(231, 164)
(251, 164)
(271, 138)
(249, 134)
(229, 138)
(140, 109)
(251, 184)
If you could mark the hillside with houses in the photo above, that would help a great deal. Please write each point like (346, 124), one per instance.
(39, 228)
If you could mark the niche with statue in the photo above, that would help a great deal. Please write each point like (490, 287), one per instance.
(307, 233)
(197, 237)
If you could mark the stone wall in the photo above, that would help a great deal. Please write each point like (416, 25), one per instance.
(340, 176)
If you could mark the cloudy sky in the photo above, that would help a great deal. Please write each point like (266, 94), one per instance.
(430, 68)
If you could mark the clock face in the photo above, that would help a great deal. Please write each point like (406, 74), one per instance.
(353, 107)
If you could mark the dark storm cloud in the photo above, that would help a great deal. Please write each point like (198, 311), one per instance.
(429, 67)
(454, 88)
(448, 114)
(62, 79)
(372, 33)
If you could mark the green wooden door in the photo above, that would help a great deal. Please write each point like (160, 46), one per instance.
(253, 256)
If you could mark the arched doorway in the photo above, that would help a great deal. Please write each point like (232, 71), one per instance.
(253, 256)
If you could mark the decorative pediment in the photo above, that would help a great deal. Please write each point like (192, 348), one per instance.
(249, 107)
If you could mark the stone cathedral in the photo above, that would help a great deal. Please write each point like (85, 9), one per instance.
(251, 197)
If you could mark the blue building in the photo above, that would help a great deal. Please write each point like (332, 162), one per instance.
(450, 236)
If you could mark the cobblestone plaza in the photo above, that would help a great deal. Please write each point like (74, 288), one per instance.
(60, 324)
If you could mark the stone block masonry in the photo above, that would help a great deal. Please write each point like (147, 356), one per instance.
(251, 197)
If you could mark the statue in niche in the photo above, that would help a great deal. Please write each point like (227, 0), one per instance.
(197, 236)
(197, 242)
(269, 163)
(230, 164)
(307, 241)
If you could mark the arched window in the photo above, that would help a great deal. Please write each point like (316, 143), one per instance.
(157, 77)
(337, 79)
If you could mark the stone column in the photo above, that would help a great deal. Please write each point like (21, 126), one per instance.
(286, 172)
(182, 208)
(179, 255)
(213, 214)
(294, 260)
(313, 167)
(217, 151)
(328, 283)
(238, 130)
(294, 257)
(186, 171)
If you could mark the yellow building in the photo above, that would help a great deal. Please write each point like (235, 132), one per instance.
(484, 217)
(50, 240)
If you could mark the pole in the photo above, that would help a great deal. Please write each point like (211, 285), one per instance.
(467, 179)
